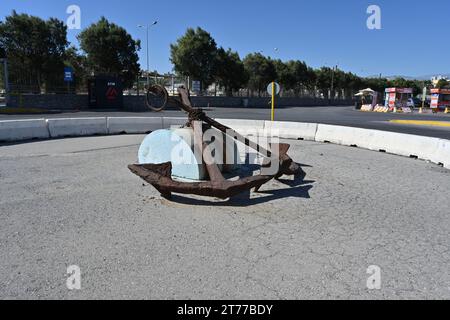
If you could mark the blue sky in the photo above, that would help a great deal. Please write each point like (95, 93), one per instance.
(413, 40)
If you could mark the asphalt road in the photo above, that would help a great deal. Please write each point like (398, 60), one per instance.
(344, 116)
(74, 202)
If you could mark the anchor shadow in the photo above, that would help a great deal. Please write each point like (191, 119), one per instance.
(298, 188)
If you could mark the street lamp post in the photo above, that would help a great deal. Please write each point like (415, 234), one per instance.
(147, 44)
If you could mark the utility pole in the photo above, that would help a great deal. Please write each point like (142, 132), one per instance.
(332, 83)
(173, 85)
(147, 44)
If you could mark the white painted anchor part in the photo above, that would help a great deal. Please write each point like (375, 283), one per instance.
(177, 146)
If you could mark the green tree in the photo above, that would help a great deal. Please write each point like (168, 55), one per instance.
(340, 80)
(2, 72)
(443, 83)
(261, 71)
(377, 84)
(399, 83)
(417, 86)
(300, 74)
(111, 50)
(324, 76)
(195, 55)
(285, 75)
(310, 79)
(35, 49)
(78, 63)
(293, 75)
(230, 71)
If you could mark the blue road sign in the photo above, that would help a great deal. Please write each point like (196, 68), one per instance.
(68, 74)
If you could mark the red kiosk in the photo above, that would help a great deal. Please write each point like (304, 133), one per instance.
(440, 100)
(399, 99)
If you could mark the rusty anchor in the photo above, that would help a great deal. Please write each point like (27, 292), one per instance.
(160, 175)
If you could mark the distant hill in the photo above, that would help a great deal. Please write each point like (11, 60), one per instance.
(425, 77)
(395, 77)
(428, 77)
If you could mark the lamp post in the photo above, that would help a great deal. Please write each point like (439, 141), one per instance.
(148, 58)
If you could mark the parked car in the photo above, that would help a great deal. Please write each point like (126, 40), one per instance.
(411, 103)
(418, 103)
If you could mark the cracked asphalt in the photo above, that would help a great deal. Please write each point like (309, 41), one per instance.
(74, 202)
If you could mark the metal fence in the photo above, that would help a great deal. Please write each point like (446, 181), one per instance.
(21, 82)
(26, 83)
(172, 83)
(3, 87)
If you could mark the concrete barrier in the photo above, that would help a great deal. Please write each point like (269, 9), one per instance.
(18, 130)
(425, 148)
(133, 125)
(245, 127)
(339, 135)
(443, 153)
(291, 130)
(77, 127)
(168, 123)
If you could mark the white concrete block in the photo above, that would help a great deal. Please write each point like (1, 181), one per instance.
(406, 145)
(134, 125)
(425, 148)
(291, 130)
(77, 127)
(245, 127)
(173, 123)
(443, 153)
(17, 130)
(340, 135)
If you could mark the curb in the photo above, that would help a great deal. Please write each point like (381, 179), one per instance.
(418, 147)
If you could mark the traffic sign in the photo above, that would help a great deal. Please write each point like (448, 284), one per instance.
(68, 74)
(111, 93)
(196, 86)
(270, 88)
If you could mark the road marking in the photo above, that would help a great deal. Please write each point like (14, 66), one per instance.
(423, 123)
